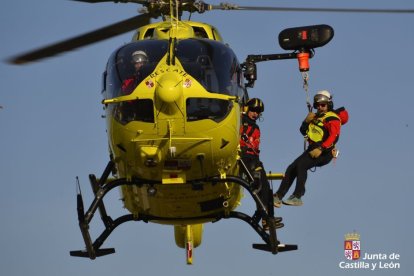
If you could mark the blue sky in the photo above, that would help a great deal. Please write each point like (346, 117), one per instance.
(52, 131)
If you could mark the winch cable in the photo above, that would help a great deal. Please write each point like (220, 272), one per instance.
(305, 76)
(303, 60)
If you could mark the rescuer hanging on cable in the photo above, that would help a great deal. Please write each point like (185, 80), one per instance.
(322, 130)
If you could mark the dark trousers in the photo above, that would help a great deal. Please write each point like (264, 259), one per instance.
(299, 170)
(256, 169)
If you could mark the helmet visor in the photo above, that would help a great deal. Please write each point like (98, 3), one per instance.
(321, 99)
(257, 109)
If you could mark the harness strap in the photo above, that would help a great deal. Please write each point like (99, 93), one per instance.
(252, 129)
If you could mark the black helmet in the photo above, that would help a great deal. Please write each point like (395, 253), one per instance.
(255, 105)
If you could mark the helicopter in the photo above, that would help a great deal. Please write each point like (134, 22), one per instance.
(174, 139)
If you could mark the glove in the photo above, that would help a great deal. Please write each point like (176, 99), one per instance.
(310, 117)
(315, 153)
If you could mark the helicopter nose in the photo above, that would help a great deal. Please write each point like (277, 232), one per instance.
(169, 89)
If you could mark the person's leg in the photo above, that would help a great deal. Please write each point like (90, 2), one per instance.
(305, 162)
(287, 180)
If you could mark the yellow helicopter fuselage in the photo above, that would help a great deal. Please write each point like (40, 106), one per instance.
(179, 126)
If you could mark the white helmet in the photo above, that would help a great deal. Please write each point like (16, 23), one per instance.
(323, 96)
(139, 56)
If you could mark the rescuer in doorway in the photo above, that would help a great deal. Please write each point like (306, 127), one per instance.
(249, 144)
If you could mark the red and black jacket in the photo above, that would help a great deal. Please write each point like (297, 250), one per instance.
(250, 136)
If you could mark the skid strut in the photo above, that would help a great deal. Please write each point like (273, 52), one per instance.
(100, 189)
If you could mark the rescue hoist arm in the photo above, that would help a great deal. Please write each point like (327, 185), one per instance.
(301, 40)
(250, 70)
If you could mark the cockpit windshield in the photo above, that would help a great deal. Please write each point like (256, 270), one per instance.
(132, 63)
(213, 64)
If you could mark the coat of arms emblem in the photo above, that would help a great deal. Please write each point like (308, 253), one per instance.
(352, 246)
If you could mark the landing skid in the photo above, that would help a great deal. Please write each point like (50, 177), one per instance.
(102, 187)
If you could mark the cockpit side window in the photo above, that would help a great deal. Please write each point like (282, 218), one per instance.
(200, 32)
(149, 33)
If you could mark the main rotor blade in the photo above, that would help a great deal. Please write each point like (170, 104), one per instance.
(83, 40)
(96, 1)
(227, 6)
(115, 1)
